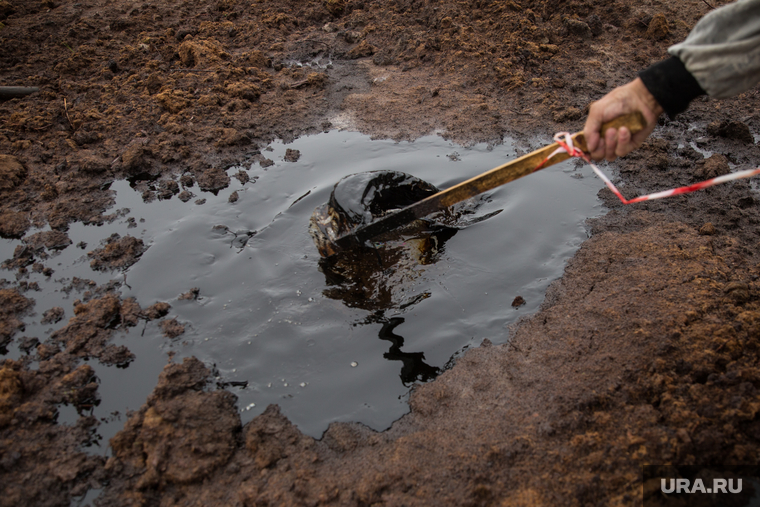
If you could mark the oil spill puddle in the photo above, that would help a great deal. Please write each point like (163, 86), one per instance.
(328, 341)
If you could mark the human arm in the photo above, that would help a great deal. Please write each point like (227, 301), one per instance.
(720, 57)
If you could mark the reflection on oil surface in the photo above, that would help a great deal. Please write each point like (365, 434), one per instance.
(324, 338)
(414, 368)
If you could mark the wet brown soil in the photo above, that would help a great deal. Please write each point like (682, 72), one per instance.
(646, 351)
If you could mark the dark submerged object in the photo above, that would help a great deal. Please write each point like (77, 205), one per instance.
(358, 199)
(373, 276)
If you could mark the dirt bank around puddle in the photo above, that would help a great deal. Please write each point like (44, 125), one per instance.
(644, 352)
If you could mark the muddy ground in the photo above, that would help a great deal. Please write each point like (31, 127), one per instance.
(646, 351)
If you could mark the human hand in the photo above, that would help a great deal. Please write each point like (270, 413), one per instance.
(625, 99)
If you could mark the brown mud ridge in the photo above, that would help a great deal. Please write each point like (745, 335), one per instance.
(646, 351)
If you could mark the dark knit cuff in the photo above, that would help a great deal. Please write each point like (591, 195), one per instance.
(672, 86)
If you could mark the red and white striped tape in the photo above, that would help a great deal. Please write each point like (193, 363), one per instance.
(565, 141)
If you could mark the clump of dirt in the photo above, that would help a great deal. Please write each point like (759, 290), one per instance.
(52, 315)
(42, 462)
(49, 470)
(181, 435)
(171, 328)
(12, 307)
(118, 253)
(12, 173)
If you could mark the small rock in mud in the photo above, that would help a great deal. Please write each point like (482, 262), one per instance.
(361, 50)
(213, 180)
(52, 316)
(658, 28)
(383, 59)
(292, 155)
(191, 294)
(595, 24)
(13, 224)
(115, 355)
(83, 137)
(707, 230)
(242, 177)
(157, 310)
(266, 163)
(200, 201)
(518, 302)
(233, 197)
(12, 306)
(731, 130)
(118, 253)
(136, 158)
(577, 27)
(738, 291)
(185, 196)
(27, 344)
(87, 161)
(257, 59)
(12, 172)
(172, 328)
(167, 189)
(716, 165)
(351, 36)
(187, 180)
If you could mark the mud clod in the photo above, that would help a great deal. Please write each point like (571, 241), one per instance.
(658, 28)
(13, 224)
(157, 310)
(292, 155)
(12, 308)
(12, 172)
(731, 129)
(707, 230)
(716, 165)
(181, 435)
(171, 328)
(192, 294)
(118, 253)
(213, 180)
(52, 315)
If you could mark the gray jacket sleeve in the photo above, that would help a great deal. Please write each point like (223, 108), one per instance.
(722, 52)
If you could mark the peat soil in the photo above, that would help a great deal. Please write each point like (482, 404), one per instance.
(645, 351)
